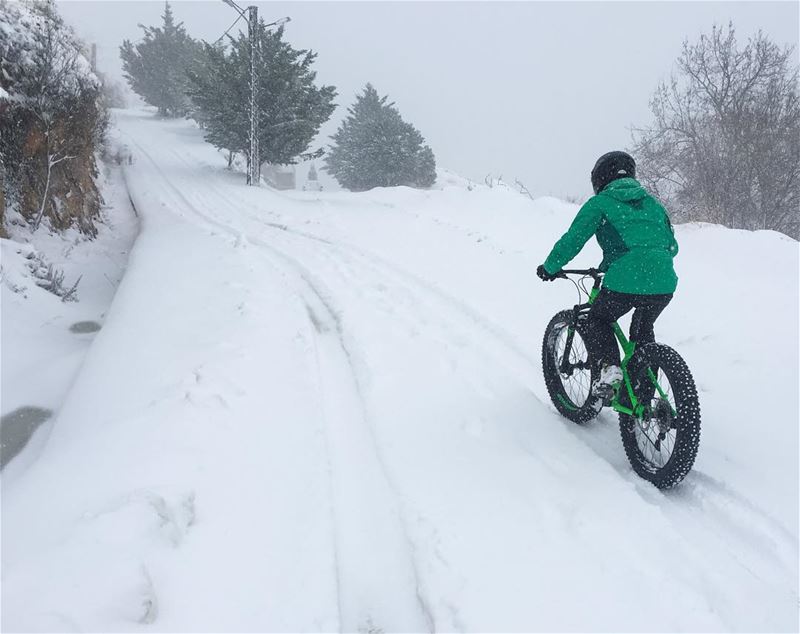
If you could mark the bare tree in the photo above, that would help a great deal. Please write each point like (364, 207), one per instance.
(56, 82)
(52, 161)
(725, 143)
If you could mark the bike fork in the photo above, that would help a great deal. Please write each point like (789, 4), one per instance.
(564, 367)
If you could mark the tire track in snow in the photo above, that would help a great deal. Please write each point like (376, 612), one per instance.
(504, 346)
(498, 343)
(752, 534)
(374, 551)
(348, 427)
(240, 236)
(733, 513)
(703, 493)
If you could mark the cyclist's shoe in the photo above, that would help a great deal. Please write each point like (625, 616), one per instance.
(603, 386)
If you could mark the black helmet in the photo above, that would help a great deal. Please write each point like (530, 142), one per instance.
(610, 167)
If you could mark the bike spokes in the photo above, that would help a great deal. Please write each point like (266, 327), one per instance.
(568, 369)
(577, 381)
(656, 430)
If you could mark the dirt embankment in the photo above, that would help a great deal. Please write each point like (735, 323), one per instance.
(68, 196)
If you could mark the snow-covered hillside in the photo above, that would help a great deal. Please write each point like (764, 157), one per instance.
(325, 411)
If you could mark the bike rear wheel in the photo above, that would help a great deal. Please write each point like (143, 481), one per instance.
(571, 392)
(662, 444)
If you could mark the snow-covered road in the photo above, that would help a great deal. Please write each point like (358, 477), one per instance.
(325, 411)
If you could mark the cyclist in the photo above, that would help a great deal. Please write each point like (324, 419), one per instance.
(638, 243)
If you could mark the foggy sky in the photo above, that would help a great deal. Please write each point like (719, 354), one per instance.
(528, 90)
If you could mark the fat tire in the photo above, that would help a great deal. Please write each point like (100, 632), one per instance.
(552, 378)
(687, 424)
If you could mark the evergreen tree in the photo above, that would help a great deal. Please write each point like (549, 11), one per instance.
(291, 108)
(220, 96)
(374, 147)
(156, 66)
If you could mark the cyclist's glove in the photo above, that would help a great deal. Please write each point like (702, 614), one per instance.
(544, 275)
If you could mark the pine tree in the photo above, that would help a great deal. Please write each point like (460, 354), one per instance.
(374, 147)
(218, 88)
(291, 107)
(156, 66)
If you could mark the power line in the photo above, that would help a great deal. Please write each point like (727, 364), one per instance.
(239, 9)
(235, 22)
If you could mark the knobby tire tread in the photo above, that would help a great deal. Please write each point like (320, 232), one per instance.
(687, 404)
(552, 377)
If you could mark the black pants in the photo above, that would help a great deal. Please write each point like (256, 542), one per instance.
(608, 308)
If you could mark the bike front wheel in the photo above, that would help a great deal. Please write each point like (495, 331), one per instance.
(662, 443)
(570, 390)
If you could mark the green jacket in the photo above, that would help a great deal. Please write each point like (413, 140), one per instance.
(636, 236)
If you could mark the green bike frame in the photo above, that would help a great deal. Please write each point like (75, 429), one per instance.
(636, 409)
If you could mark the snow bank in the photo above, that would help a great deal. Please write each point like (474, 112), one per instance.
(325, 411)
(44, 339)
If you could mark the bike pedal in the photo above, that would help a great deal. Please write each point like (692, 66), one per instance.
(605, 393)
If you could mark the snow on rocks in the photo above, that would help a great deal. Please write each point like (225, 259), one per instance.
(22, 26)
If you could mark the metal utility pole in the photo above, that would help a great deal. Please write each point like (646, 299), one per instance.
(254, 173)
(253, 160)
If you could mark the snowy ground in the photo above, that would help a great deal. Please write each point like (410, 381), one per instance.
(44, 339)
(325, 411)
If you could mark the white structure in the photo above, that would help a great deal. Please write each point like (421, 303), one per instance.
(279, 176)
(312, 183)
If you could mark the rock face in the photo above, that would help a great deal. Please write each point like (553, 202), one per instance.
(72, 196)
(52, 121)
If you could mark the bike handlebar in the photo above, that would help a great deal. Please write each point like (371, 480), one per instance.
(593, 273)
